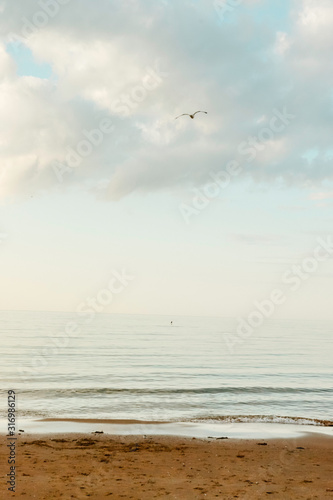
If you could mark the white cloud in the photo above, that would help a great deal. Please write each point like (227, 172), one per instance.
(282, 43)
(321, 196)
(7, 66)
(316, 15)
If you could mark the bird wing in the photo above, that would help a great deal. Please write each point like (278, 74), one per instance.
(199, 112)
(184, 114)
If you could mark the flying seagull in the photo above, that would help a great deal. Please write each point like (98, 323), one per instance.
(191, 116)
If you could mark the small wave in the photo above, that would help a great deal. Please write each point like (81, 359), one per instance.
(201, 390)
(224, 419)
(274, 419)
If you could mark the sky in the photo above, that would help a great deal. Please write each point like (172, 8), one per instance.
(200, 217)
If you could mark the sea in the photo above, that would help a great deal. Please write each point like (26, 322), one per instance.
(142, 367)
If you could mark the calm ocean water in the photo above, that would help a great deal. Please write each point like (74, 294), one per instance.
(141, 367)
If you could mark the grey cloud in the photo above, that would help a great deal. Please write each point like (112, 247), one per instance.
(232, 70)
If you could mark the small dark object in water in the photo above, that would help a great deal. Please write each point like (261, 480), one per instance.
(223, 437)
(300, 448)
(21, 430)
(98, 432)
(262, 444)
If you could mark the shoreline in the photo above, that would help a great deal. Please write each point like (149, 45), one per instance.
(222, 419)
(202, 429)
(134, 467)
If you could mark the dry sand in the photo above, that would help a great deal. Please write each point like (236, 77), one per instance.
(134, 467)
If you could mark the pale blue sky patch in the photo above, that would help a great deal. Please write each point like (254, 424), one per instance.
(329, 154)
(311, 154)
(26, 63)
(273, 13)
(265, 12)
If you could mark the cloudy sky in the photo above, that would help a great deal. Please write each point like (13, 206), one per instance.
(208, 215)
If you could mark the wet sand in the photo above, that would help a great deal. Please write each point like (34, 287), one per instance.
(101, 466)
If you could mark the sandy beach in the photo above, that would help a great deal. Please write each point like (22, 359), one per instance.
(142, 467)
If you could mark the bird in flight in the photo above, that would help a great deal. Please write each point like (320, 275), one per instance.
(191, 116)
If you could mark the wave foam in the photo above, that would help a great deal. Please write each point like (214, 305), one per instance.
(275, 419)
